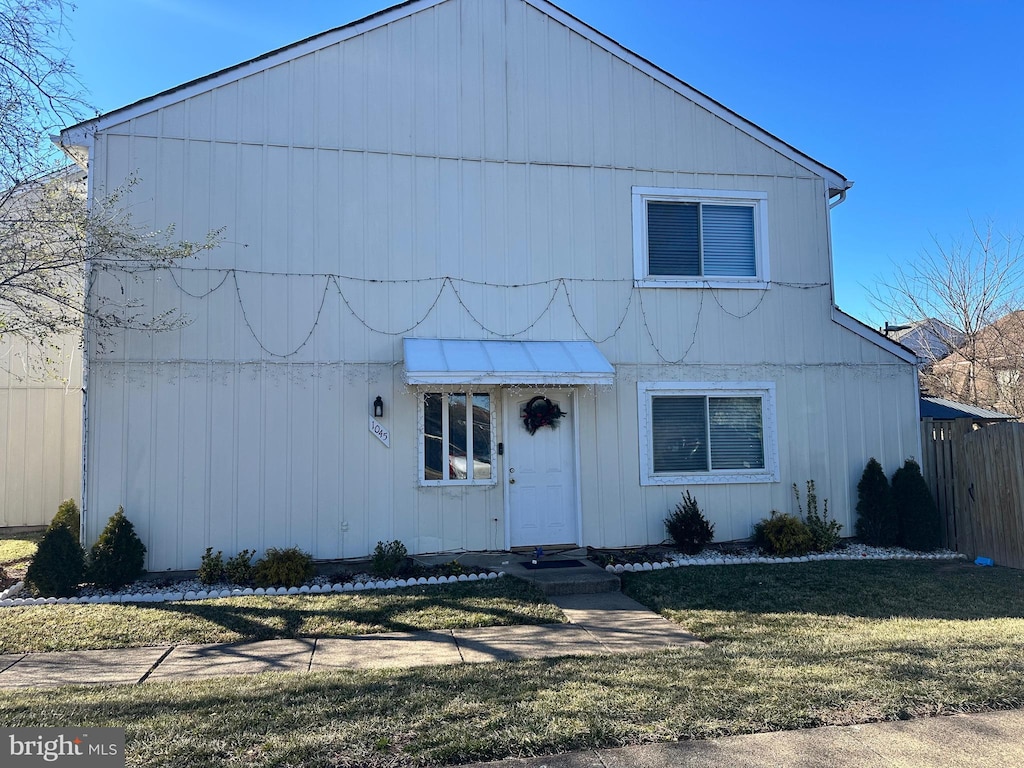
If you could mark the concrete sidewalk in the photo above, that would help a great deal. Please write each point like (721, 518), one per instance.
(993, 739)
(599, 624)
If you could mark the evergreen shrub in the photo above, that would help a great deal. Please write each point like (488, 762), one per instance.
(69, 516)
(688, 527)
(388, 559)
(239, 569)
(920, 526)
(58, 566)
(118, 557)
(876, 516)
(283, 568)
(211, 569)
(783, 535)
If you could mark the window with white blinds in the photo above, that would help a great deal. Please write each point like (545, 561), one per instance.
(685, 237)
(706, 433)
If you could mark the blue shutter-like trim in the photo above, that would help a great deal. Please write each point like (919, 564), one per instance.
(737, 435)
(728, 232)
(679, 434)
(673, 239)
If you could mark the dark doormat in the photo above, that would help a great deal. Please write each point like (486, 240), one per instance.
(553, 564)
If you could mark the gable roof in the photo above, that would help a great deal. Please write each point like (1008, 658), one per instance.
(79, 135)
(930, 339)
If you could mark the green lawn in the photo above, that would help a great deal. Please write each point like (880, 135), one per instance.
(18, 548)
(791, 646)
(466, 604)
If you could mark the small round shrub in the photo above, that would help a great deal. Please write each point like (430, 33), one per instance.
(69, 516)
(920, 525)
(58, 566)
(688, 528)
(118, 557)
(388, 559)
(211, 569)
(239, 569)
(783, 535)
(284, 568)
(876, 517)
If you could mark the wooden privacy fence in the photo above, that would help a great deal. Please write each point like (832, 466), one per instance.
(990, 488)
(977, 477)
(940, 446)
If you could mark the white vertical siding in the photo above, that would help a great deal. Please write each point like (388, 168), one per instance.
(40, 429)
(465, 171)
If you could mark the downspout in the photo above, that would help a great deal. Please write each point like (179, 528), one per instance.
(828, 229)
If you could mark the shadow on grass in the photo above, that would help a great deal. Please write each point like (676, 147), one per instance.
(952, 590)
(403, 610)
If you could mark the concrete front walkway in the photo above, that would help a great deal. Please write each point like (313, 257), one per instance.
(602, 623)
(994, 739)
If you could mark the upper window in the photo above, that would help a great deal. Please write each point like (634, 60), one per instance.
(696, 238)
(457, 445)
(707, 433)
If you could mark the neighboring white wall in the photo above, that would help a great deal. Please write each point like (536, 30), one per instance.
(40, 430)
(484, 142)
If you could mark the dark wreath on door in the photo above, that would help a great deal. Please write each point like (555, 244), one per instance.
(540, 412)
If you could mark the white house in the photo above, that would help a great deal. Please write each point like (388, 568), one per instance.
(40, 428)
(458, 207)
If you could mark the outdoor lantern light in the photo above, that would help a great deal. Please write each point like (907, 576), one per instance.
(378, 407)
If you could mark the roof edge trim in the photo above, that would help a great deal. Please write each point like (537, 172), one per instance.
(850, 323)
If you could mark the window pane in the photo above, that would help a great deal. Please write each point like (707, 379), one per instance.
(432, 443)
(737, 440)
(457, 461)
(728, 234)
(679, 434)
(481, 437)
(673, 245)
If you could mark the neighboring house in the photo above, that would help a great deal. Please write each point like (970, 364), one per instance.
(40, 384)
(438, 215)
(985, 370)
(930, 339)
(40, 428)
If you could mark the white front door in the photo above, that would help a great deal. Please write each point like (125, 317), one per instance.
(540, 473)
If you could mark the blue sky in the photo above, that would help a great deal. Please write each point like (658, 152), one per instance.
(920, 102)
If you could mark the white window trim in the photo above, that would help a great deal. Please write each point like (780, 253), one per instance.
(757, 200)
(646, 390)
(421, 428)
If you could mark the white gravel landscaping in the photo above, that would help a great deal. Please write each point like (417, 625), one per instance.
(193, 589)
(849, 552)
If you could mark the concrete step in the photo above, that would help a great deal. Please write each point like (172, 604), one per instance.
(588, 580)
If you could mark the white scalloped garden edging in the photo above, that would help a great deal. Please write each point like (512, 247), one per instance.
(12, 590)
(6, 599)
(759, 560)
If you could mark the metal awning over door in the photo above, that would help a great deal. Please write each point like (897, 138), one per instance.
(499, 361)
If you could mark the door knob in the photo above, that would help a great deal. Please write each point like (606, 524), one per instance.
(511, 481)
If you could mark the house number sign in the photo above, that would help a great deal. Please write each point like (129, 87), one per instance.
(380, 432)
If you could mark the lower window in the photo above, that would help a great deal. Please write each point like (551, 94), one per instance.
(721, 432)
(457, 444)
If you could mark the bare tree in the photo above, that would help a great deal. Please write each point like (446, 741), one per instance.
(47, 233)
(963, 300)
